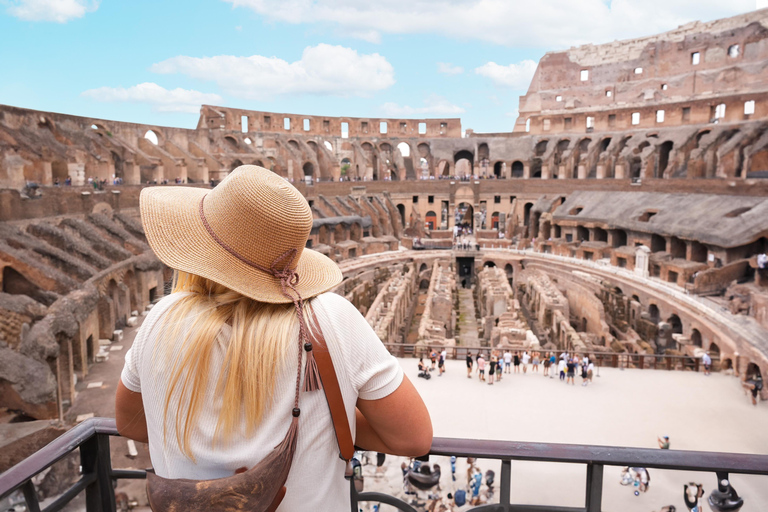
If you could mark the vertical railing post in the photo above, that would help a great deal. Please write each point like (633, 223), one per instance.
(506, 484)
(95, 459)
(594, 498)
(30, 495)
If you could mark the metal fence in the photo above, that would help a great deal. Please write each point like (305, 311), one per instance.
(91, 438)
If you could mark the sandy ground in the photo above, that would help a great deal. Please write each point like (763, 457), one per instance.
(621, 408)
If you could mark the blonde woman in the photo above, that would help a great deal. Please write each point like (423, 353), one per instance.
(217, 378)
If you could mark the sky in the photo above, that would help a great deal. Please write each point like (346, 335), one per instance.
(156, 62)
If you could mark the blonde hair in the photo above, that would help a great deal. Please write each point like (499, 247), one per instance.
(260, 340)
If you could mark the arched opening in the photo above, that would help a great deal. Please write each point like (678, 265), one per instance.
(536, 168)
(129, 280)
(527, 213)
(465, 217)
(151, 136)
(464, 161)
(727, 364)
(714, 350)
(294, 144)
(601, 235)
(235, 164)
(604, 144)
(658, 244)
(541, 148)
(444, 168)
(635, 168)
(653, 313)
(619, 238)
(696, 338)
(753, 372)
(309, 169)
(405, 149)
(489, 264)
(495, 220)
(664, 151)
(424, 284)
(518, 169)
(676, 324)
(401, 210)
(498, 169)
(423, 267)
(346, 166)
(430, 221)
(328, 146)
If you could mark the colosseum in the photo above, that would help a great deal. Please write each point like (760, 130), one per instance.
(623, 217)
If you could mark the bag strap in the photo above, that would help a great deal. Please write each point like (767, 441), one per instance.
(332, 391)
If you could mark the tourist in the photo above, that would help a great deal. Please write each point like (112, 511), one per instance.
(571, 369)
(203, 333)
(481, 367)
(707, 362)
(552, 365)
(469, 365)
(754, 384)
(590, 371)
(508, 361)
(499, 367)
(526, 359)
(423, 370)
(517, 362)
(441, 364)
(663, 442)
(433, 357)
(584, 379)
(691, 494)
(547, 364)
(492, 368)
(535, 367)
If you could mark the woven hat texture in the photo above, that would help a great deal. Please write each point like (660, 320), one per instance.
(253, 211)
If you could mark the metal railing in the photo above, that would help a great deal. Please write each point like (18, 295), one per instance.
(91, 438)
(605, 359)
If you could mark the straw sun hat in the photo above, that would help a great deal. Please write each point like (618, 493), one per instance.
(245, 234)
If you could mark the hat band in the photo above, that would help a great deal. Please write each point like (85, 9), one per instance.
(288, 281)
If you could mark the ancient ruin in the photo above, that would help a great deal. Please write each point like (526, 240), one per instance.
(625, 214)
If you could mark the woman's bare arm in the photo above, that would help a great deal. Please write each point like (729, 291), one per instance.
(129, 414)
(398, 424)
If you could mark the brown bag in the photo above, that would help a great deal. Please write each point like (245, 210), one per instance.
(261, 488)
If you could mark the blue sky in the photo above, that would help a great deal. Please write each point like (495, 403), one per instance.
(156, 62)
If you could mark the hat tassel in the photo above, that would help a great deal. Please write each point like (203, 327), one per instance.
(312, 380)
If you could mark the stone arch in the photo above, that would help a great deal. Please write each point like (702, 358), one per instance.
(696, 339)
(464, 154)
(129, 280)
(541, 147)
(498, 171)
(309, 169)
(430, 220)
(294, 144)
(753, 370)
(401, 210)
(482, 151)
(527, 214)
(153, 137)
(676, 324)
(235, 164)
(232, 143)
(654, 315)
(489, 264)
(466, 214)
(423, 267)
(664, 150)
(518, 169)
(444, 168)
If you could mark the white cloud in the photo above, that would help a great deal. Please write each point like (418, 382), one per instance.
(59, 11)
(433, 106)
(517, 76)
(322, 69)
(544, 23)
(161, 99)
(447, 68)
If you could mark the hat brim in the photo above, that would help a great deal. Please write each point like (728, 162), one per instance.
(175, 232)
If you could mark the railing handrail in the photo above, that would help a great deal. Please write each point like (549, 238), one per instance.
(741, 463)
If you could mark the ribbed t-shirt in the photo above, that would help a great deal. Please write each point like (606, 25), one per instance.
(364, 368)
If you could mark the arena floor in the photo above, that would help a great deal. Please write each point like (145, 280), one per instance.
(621, 408)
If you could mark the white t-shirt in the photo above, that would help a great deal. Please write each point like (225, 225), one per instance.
(706, 359)
(364, 368)
(526, 358)
(507, 358)
(561, 365)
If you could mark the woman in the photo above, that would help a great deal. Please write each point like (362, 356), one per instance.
(492, 368)
(211, 381)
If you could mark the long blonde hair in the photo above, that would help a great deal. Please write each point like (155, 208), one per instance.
(257, 347)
